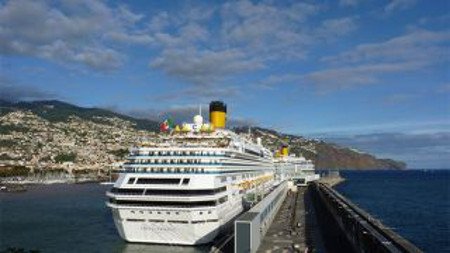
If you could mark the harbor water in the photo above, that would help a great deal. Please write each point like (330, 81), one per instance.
(66, 218)
(74, 218)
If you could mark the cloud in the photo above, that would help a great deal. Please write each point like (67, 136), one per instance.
(335, 28)
(273, 80)
(368, 63)
(408, 127)
(201, 94)
(419, 45)
(203, 45)
(12, 91)
(332, 79)
(69, 33)
(338, 78)
(125, 14)
(207, 51)
(444, 88)
(427, 150)
(351, 3)
(204, 67)
(395, 5)
(124, 37)
(264, 28)
(396, 99)
(178, 113)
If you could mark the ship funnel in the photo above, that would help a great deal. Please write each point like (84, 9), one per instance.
(218, 114)
(284, 150)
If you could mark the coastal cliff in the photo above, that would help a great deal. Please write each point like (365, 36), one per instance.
(57, 137)
(325, 155)
(332, 156)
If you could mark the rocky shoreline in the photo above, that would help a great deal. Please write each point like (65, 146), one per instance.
(21, 184)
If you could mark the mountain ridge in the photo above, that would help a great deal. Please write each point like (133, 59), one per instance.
(64, 110)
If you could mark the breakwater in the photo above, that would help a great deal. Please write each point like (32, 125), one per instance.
(347, 228)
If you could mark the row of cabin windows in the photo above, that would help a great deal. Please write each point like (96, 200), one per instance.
(172, 161)
(168, 192)
(133, 180)
(179, 153)
(169, 203)
(173, 221)
(167, 212)
(170, 170)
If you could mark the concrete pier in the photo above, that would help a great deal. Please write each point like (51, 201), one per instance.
(315, 219)
(288, 231)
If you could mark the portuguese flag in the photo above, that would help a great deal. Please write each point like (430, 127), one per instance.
(166, 125)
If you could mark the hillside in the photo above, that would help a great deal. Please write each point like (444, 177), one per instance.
(53, 136)
(57, 136)
(325, 155)
(333, 156)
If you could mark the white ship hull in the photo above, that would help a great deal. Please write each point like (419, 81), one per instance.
(178, 225)
(173, 233)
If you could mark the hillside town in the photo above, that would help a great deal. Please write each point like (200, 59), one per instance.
(77, 145)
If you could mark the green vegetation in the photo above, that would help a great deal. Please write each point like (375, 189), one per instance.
(7, 143)
(14, 170)
(81, 172)
(7, 129)
(45, 159)
(65, 157)
(4, 109)
(121, 153)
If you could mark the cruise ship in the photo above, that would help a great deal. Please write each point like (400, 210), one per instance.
(187, 184)
(296, 169)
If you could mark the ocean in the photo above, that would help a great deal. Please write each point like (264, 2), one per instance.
(74, 218)
(414, 203)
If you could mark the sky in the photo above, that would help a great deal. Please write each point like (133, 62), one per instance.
(370, 74)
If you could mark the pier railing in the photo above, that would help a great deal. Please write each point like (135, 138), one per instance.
(363, 232)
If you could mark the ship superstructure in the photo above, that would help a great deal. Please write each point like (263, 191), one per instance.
(294, 168)
(185, 185)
